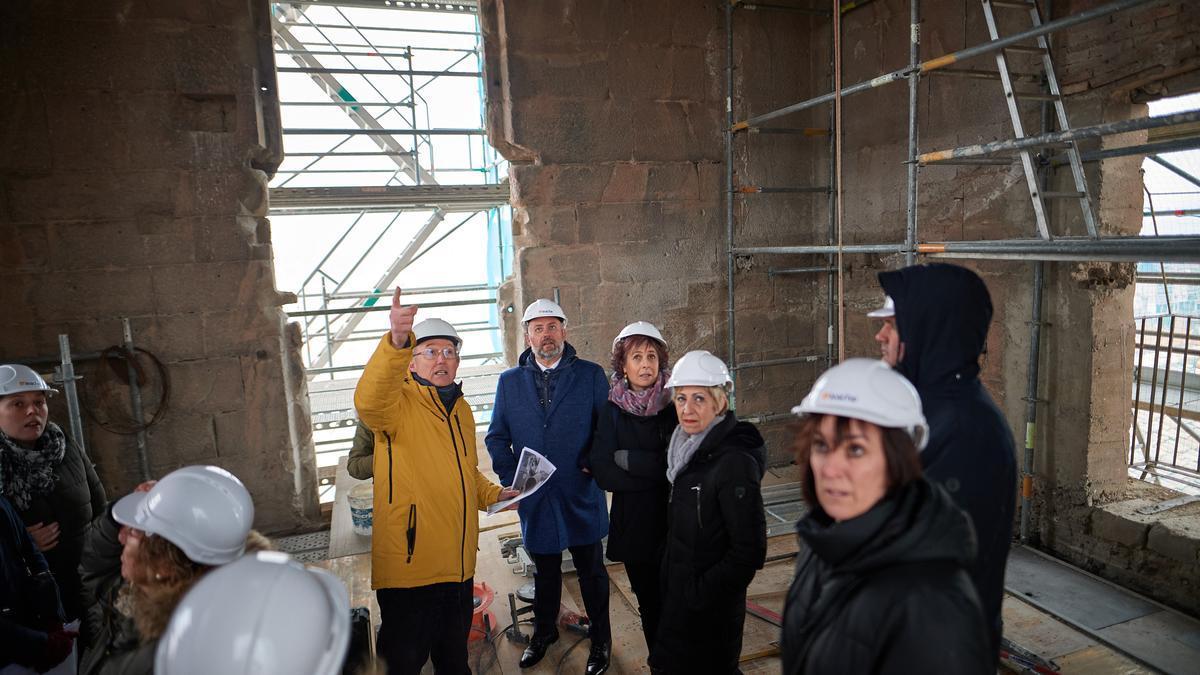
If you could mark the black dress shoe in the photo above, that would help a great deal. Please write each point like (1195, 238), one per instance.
(538, 645)
(597, 662)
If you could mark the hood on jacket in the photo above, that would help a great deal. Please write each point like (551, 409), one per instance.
(942, 313)
(527, 359)
(918, 524)
(732, 433)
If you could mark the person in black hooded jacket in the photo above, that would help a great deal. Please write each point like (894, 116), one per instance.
(629, 459)
(942, 317)
(881, 583)
(717, 533)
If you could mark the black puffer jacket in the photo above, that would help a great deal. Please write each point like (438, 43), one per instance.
(942, 314)
(114, 644)
(77, 497)
(716, 542)
(637, 520)
(886, 592)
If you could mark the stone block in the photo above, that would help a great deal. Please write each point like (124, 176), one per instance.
(1119, 523)
(106, 55)
(615, 223)
(216, 61)
(566, 73)
(696, 74)
(577, 24)
(224, 238)
(640, 71)
(626, 183)
(225, 192)
(565, 130)
(1176, 538)
(18, 340)
(81, 245)
(89, 294)
(24, 136)
(675, 181)
(676, 131)
(543, 267)
(203, 286)
(558, 184)
(181, 336)
(25, 248)
(206, 386)
(696, 24)
(550, 225)
(183, 438)
(239, 331)
(668, 260)
(94, 195)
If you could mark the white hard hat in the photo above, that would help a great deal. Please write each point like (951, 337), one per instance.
(436, 328)
(264, 614)
(543, 307)
(699, 369)
(868, 390)
(886, 312)
(639, 328)
(17, 379)
(204, 510)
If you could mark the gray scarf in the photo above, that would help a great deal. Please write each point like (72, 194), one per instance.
(683, 446)
(28, 473)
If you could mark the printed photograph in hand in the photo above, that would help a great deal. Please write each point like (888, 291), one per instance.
(533, 470)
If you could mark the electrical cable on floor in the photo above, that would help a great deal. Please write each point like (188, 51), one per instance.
(563, 659)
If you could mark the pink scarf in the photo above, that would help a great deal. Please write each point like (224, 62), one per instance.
(644, 403)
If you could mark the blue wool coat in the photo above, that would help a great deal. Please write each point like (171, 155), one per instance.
(569, 510)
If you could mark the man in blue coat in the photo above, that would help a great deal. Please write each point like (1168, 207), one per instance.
(942, 313)
(550, 403)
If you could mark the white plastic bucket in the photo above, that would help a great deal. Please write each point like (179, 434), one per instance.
(361, 500)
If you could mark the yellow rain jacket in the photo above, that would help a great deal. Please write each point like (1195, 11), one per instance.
(428, 487)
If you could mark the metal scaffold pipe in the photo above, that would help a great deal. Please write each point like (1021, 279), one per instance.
(1056, 137)
(1170, 248)
(949, 59)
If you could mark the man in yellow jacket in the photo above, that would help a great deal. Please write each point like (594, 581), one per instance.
(428, 490)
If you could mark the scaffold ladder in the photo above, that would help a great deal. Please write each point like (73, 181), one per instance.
(1054, 96)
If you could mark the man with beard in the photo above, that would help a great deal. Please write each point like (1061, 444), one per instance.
(550, 403)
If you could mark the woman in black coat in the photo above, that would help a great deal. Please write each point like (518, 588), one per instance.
(49, 480)
(629, 459)
(717, 536)
(881, 583)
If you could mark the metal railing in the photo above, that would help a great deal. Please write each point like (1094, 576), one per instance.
(1164, 443)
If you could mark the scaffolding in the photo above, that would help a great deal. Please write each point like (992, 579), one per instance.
(1036, 152)
(383, 158)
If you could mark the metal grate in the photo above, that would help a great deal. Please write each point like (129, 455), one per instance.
(308, 548)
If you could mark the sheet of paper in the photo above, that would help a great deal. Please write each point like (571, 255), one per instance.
(533, 470)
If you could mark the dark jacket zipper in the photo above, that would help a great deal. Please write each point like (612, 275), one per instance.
(699, 520)
(389, 444)
(462, 484)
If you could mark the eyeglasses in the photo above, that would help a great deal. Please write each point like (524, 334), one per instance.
(448, 353)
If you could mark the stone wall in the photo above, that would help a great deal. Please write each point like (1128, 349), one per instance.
(618, 197)
(136, 141)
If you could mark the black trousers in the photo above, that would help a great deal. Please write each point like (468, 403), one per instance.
(593, 585)
(425, 622)
(647, 586)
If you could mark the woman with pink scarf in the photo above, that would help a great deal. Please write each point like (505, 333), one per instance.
(629, 459)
